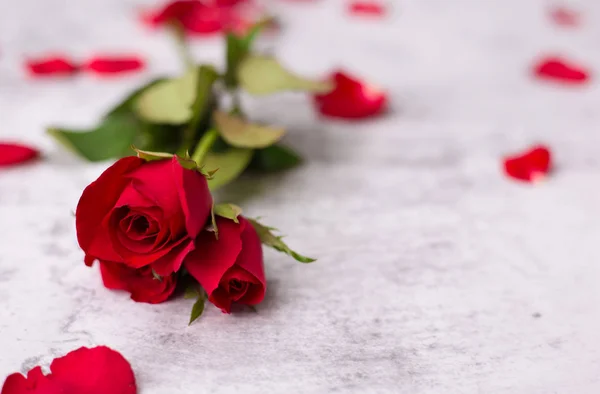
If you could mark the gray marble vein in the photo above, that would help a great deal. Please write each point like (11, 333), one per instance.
(436, 274)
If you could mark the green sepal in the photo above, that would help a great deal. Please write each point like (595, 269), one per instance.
(151, 156)
(268, 238)
(229, 211)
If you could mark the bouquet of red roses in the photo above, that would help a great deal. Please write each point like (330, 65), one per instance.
(152, 224)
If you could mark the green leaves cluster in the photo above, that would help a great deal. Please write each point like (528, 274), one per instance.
(172, 115)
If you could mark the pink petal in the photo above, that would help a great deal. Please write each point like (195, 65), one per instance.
(371, 8)
(114, 65)
(560, 70)
(565, 17)
(13, 154)
(51, 66)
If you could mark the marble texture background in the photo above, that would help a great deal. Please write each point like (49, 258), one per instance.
(436, 274)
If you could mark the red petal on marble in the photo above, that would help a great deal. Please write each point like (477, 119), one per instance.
(350, 99)
(560, 70)
(13, 154)
(51, 66)
(110, 65)
(565, 17)
(371, 8)
(529, 166)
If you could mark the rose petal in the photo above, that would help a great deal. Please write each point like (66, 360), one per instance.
(560, 70)
(212, 258)
(35, 382)
(98, 370)
(250, 257)
(194, 197)
(114, 65)
(95, 203)
(350, 99)
(140, 283)
(172, 11)
(529, 166)
(565, 17)
(172, 261)
(51, 66)
(12, 154)
(371, 8)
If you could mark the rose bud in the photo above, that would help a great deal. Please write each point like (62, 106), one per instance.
(141, 282)
(230, 268)
(143, 213)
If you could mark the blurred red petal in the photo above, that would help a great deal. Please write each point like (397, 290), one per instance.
(172, 11)
(350, 99)
(529, 166)
(565, 17)
(371, 8)
(51, 66)
(114, 65)
(12, 154)
(560, 70)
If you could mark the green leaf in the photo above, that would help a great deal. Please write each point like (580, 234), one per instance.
(237, 132)
(198, 307)
(260, 75)
(169, 101)
(269, 239)
(230, 163)
(151, 156)
(229, 211)
(275, 158)
(113, 138)
(126, 106)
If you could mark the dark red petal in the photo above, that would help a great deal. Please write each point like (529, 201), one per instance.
(560, 70)
(194, 197)
(51, 66)
(251, 255)
(221, 299)
(172, 261)
(115, 275)
(11, 154)
(529, 166)
(99, 370)
(350, 99)
(212, 258)
(95, 203)
(146, 288)
(565, 17)
(173, 11)
(114, 65)
(372, 8)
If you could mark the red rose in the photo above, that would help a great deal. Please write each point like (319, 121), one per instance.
(230, 268)
(98, 370)
(141, 283)
(143, 213)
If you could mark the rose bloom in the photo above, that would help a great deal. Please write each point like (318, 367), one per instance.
(229, 268)
(143, 214)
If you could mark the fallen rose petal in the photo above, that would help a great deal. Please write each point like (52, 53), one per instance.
(350, 99)
(51, 66)
(565, 17)
(560, 70)
(98, 370)
(114, 65)
(371, 8)
(12, 154)
(529, 166)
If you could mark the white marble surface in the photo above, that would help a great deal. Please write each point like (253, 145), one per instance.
(436, 274)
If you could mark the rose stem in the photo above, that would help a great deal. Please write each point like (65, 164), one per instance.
(204, 145)
(182, 47)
